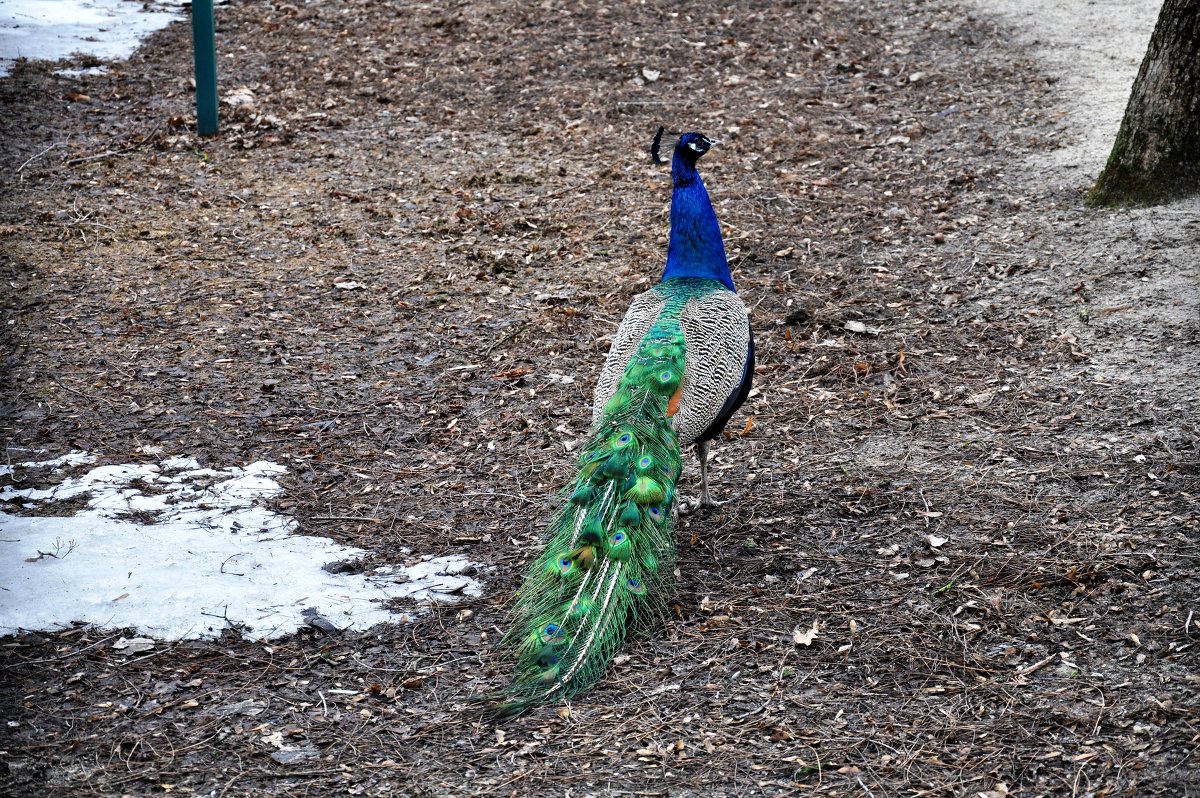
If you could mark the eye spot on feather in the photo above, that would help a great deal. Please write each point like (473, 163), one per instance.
(656, 513)
(635, 587)
(619, 546)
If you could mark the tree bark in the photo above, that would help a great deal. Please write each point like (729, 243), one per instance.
(1156, 155)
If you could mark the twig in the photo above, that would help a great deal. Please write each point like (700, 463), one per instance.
(1100, 714)
(99, 156)
(68, 655)
(348, 518)
(280, 774)
(66, 387)
(113, 153)
(33, 158)
(155, 653)
(229, 784)
(227, 559)
(1037, 666)
(497, 493)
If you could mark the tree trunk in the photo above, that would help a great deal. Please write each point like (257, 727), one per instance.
(1156, 156)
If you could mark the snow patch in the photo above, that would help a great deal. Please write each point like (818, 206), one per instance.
(180, 551)
(69, 460)
(53, 29)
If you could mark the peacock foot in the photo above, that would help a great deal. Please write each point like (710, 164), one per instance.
(689, 506)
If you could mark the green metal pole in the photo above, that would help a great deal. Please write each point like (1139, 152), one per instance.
(204, 44)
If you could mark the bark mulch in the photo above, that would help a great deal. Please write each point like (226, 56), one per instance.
(957, 555)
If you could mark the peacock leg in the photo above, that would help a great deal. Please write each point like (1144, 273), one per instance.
(705, 501)
(702, 453)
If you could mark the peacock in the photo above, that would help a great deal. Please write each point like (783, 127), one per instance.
(680, 365)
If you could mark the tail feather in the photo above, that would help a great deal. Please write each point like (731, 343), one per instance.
(611, 547)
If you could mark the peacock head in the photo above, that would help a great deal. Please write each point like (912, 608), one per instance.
(693, 145)
(688, 146)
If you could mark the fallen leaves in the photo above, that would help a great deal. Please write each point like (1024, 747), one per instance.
(135, 645)
(861, 328)
(805, 637)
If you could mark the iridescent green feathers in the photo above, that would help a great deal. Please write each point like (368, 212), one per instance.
(611, 549)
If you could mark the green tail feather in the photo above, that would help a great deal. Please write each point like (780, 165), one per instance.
(611, 548)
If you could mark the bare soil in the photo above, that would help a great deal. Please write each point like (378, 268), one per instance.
(970, 462)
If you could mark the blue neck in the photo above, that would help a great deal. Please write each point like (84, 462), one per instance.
(695, 249)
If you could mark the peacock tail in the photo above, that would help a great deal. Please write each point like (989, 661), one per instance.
(601, 574)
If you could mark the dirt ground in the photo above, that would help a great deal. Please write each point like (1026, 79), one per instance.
(970, 463)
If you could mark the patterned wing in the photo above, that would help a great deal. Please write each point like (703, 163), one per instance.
(640, 317)
(716, 332)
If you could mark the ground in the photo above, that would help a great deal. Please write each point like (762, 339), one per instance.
(970, 464)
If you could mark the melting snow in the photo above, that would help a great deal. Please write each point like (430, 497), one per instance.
(179, 551)
(54, 29)
(72, 459)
